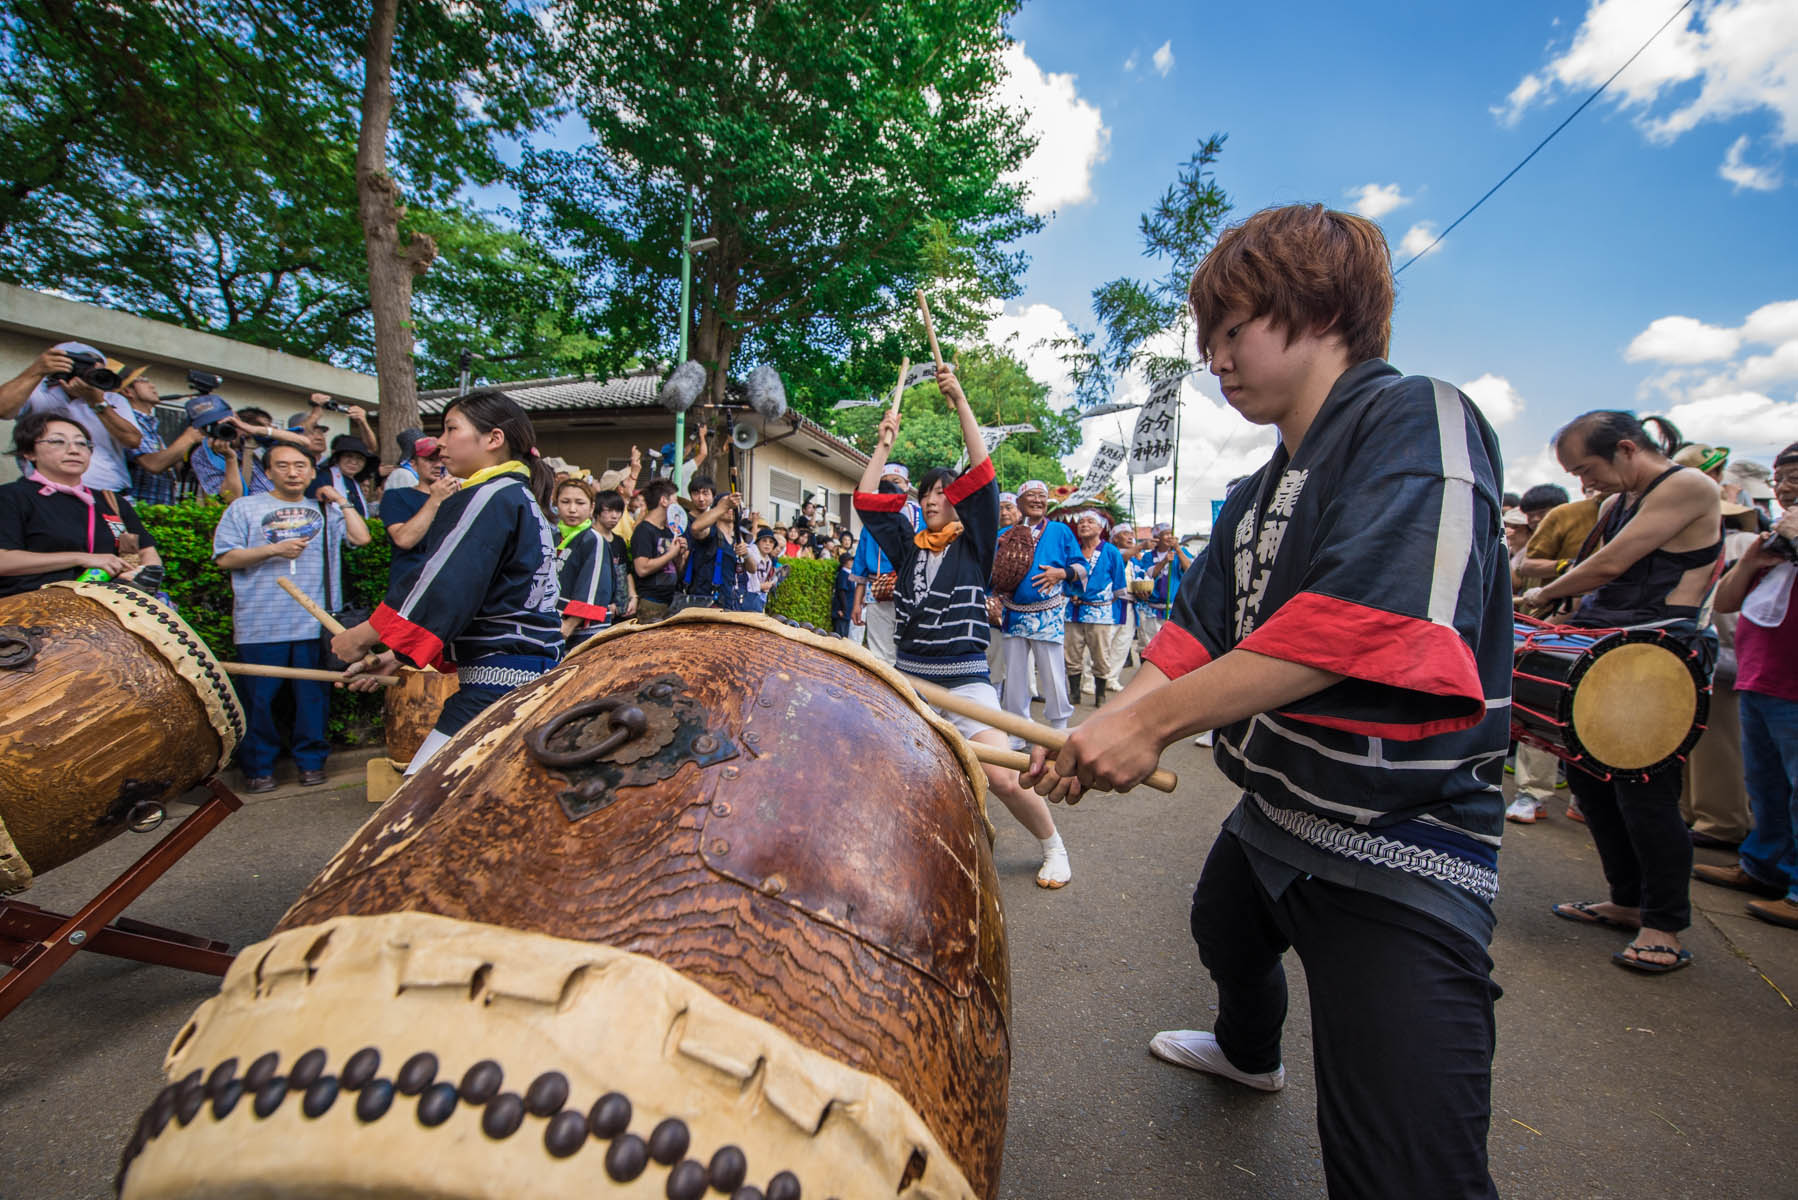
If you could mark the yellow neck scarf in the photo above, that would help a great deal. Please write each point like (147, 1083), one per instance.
(486, 473)
(939, 541)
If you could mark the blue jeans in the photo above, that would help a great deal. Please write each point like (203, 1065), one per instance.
(311, 704)
(1770, 762)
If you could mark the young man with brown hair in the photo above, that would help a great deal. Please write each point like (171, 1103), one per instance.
(1348, 637)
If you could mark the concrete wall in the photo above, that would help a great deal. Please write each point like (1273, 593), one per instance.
(31, 322)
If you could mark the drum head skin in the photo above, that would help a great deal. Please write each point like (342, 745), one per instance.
(1612, 713)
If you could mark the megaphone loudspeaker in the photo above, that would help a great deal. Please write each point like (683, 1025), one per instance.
(745, 437)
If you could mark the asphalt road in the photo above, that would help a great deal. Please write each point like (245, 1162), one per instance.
(1606, 1083)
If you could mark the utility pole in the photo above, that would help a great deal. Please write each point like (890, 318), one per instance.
(686, 304)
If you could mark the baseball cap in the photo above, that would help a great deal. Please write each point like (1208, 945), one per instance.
(424, 446)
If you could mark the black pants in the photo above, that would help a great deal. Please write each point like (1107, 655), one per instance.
(1401, 1024)
(1643, 844)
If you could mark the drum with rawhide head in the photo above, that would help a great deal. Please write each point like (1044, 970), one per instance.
(1612, 702)
(110, 707)
(709, 907)
(410, 708)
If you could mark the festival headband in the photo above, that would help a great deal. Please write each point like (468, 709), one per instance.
(1034, 485)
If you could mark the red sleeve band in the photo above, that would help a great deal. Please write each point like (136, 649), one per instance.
(971, 481)
(879, 502)
(1175, 652)
(1381, 647)
(583, 610)
(416, 644)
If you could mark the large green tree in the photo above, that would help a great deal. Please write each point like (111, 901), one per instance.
(1137, 317)
(842, 153)
(1001, 392)
(195, 163)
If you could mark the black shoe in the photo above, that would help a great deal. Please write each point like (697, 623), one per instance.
(1098, 693)
(1711, 841)
(311, 778)
(259, 783)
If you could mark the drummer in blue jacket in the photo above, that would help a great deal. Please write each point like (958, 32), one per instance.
(1092, 613)
(1036, 611)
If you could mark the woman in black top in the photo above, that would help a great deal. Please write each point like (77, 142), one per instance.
(940, 594)
(52, 528)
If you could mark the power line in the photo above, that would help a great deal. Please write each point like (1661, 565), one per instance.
(1551, 137)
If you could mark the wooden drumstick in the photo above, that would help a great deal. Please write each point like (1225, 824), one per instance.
(899, 388)
(936, 352)
(1162, 780)
(306, 673)
(310, 605)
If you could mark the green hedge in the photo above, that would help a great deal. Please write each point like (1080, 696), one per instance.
(202, 593)
(805, 593)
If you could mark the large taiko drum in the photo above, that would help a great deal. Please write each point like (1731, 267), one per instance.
(709, 910)
(1612, 702)
(410, 708)
(110, 706)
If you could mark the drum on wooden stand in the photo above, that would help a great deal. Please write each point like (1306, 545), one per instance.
(643, 929)
(110, 707)
(1612, 702)
(410, 708)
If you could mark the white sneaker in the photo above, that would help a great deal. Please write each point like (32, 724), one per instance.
(1204, 739)
(1524, 811)
(1055, 871)
(1199, 1050)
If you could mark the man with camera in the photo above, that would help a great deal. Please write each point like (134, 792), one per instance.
(259, 540)
(153, 476)
(224, 463)
(74, 380)
(311, 425)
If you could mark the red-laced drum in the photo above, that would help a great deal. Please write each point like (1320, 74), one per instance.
(711, 906)
(110, 706)
(1611, 702)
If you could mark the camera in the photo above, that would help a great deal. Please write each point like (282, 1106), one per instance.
(208, 413)
(335, 407)
(1783, 546)
(90, 369)
(202, 383)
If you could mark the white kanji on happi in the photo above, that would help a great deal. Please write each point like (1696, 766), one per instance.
(1286, 494)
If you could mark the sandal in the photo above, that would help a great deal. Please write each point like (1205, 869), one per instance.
(1582, 912)
(1621, 958)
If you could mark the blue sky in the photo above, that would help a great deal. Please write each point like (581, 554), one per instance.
(1647, 258)
(1550, 294)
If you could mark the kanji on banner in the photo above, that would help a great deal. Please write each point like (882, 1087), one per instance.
(1104, 466)
(1152, 445)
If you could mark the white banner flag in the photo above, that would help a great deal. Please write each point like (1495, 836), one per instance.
(1152, 445)
(991, 436)
(1105, 464)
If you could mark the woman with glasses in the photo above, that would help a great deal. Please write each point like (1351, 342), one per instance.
(51, 527)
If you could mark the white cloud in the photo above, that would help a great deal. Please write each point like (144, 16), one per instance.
(1417, 239)
(1733, 399)
(1763, 178)
(1495, 397)
(1164, 58)
(1721, 60)
(1027, 332)
(1752, 424)
(1130, 63)
(1071, 135)
(1682, 340)
(1527, 467)
(1375, 200)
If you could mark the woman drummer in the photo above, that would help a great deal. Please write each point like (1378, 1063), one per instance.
(484, 603)
(52, 528)
(940, 596)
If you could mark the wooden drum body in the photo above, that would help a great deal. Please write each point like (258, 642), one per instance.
(711, 906)
(410, 708)
(110, 706)
(1611, 702)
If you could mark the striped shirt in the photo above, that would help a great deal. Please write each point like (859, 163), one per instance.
(940, 599)
(1375, 553)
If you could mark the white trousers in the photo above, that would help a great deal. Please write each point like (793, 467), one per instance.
(1023, 654)
(1536, 772)
(995, 657)
(883, 625)
(1119, 638)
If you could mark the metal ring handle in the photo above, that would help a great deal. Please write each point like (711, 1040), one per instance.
(145, 816)
(626, 719)
(17, 648)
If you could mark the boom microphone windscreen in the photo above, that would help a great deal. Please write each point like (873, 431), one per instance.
(767, 394)
(683, 387)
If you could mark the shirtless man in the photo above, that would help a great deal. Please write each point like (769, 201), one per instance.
(1660, 537)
